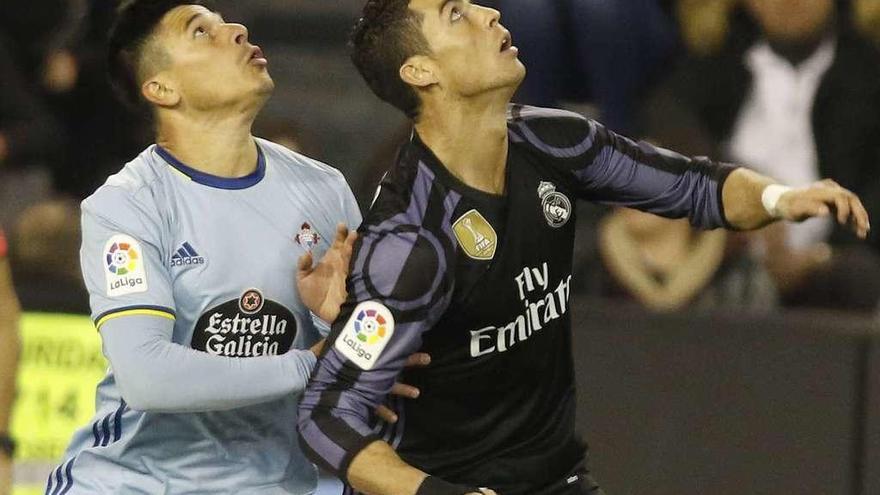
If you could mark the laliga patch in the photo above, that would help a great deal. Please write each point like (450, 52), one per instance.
(476, 236)
(124, 266)
(366, 334)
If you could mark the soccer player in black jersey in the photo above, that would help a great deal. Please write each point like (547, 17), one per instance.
(466, 254)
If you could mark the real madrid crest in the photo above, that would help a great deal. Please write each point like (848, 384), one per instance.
(554, 204)
(476, 236)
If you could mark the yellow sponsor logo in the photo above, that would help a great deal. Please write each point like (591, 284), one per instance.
(476, 236)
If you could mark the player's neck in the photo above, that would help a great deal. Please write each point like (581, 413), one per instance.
(470, 139)
(220, 147)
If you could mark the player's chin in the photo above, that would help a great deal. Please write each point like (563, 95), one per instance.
(266, 85)
(519, 72)
(511, 70)
(511, 76)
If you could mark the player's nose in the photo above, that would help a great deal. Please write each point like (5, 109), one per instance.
(491, 16)
(238, 33)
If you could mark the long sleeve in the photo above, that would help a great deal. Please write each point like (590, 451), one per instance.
(399, 287)
(615, 170)
(158, 375)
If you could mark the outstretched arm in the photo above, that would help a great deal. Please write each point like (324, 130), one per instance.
(615, 170)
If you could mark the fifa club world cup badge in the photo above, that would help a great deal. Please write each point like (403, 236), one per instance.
(476, 235)
(556, 206)
(307, 237)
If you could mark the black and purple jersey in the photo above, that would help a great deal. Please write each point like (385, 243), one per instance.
(482, 283)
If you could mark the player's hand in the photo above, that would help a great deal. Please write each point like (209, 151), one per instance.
(822, 199)
(322, 287)
(5, 475)
(403, 390)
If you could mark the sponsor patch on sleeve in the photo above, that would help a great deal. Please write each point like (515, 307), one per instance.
(366, 334)
(124, 266)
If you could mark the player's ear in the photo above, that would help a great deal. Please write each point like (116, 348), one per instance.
(160, 92)
(419, 71)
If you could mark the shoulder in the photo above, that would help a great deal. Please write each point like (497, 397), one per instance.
(412, 193)
(407, 248)
(297, 163)
(553, 133)
(129, 199)
(526, 113)
(324, 185)
(407, 266)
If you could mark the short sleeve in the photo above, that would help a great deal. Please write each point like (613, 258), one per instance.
(121, 258)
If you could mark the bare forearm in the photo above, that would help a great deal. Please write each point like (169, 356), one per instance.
(378, 470)
(745, 208)
(741, 197)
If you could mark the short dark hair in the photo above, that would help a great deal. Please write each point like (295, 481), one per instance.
(384, 38)
(135, 23)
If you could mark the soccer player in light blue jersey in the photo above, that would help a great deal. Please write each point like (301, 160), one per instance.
(198, 259)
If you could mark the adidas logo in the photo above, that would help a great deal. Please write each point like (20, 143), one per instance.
(186, 255)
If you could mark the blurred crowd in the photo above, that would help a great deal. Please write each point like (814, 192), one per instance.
(790, 88)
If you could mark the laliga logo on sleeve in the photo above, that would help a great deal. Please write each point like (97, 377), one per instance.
(366, 334)
(125, 268)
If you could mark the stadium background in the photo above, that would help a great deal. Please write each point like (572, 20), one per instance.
(763, 393)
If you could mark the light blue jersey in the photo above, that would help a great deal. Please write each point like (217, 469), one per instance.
(163, 242)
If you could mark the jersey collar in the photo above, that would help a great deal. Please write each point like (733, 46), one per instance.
(209, 180)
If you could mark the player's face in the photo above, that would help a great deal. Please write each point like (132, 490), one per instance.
(212, 62)
(472, 51)
(792, 20)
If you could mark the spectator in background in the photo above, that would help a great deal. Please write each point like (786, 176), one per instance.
(597, 50)
(102, 133)
(66, 134)
(866, 14)
(795, 99)
(704, 24)
(666, 265)
(57, 47)
(29, 139)
(9, 313)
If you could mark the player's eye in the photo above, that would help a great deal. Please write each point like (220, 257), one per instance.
(199, 32)
(456, 14)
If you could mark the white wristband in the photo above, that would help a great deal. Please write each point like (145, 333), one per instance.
(770, 198)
